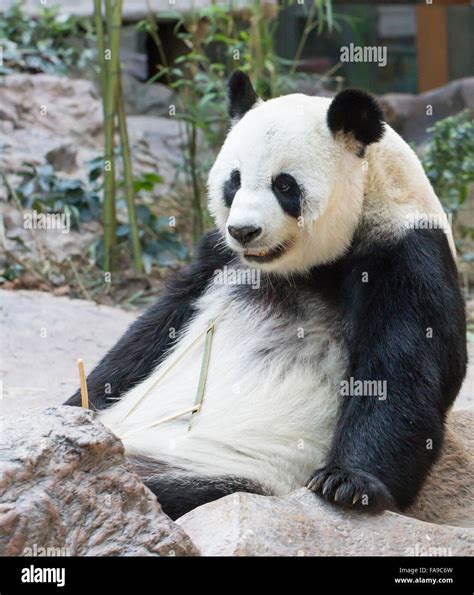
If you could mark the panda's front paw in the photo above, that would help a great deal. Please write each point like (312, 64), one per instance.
(351, 489)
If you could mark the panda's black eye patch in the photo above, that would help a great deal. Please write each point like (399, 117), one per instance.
(288, 193)
(230, 187)
(285, 183)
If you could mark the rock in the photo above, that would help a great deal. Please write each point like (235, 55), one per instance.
(66, 484)
(409, 114)
(57, 244)
(143, 99)
(303, 524)
(448, 494)
(159, 144)
(46, 335)
(49, 118)
(48, 112)
(63, 158)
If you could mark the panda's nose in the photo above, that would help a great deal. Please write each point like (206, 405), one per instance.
(244, 234)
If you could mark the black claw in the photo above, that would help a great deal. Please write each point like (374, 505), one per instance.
(345, 488)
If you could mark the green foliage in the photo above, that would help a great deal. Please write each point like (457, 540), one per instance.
(50, 43)
(159, 241)
(43, 191)
(449, 165)
(449, 159)
(10, 271)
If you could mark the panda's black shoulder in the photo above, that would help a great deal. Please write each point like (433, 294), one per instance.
(211, 254)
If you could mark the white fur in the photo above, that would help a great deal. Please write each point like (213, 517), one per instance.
(270, 401)
(289, 135)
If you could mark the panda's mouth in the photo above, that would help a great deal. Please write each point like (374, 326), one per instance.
(264, 254)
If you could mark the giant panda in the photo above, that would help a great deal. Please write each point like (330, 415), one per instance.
(327, 207)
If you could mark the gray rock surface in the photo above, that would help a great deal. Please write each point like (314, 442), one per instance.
(303, 525)
(410, 116)
(144, 99)
(41, 114)
(65, 483)
(57, 245)
(50, 118)
(41, 338)
(448, 494)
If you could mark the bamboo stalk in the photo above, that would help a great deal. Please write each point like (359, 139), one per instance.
(113, 14)
(108, 178)
(198, 223)
(99, 28)
(153, 32)
(128, 177)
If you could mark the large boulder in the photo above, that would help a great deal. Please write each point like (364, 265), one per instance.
(66, 487)
(303, 525)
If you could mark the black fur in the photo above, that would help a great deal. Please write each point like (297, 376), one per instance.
(231, 187)
(144, 344)
(385, 448)
(356, 112)
(242, 96)
(179, 491)
(288, 193)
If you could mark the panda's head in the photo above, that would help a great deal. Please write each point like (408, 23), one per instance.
(286, 188)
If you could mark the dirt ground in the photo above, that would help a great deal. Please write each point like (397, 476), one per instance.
(42, 336)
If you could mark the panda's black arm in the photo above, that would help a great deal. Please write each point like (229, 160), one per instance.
(142, 346)
(405, 326)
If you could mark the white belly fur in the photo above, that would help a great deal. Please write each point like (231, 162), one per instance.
(270, 401)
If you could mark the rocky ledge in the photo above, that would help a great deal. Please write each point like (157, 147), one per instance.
(67, 488)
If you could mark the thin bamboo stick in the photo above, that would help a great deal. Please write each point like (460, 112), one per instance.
(204, 370)
(82, 378)
(192, 409)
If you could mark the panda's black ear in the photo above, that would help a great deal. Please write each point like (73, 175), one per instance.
(356, 113)
(242, 96)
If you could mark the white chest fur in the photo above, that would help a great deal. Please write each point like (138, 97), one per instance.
(271, 394)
